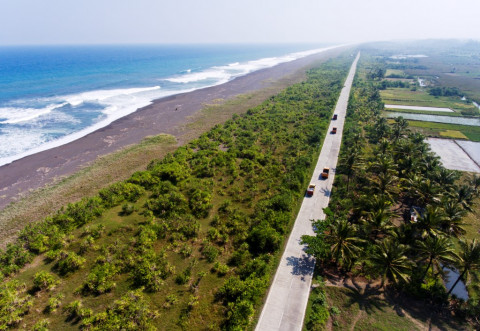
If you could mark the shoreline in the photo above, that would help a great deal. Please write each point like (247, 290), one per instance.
(165, 115)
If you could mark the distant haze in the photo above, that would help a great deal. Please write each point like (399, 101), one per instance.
(227, 21)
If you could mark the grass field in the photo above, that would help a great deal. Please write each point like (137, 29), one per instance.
(390, 72)
(401, 96)
(357, 306)
(442, 130)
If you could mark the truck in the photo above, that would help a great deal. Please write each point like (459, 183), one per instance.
(310, 189)
(325, 173)
(334, 130)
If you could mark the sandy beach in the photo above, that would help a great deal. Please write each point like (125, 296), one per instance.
(164, 115)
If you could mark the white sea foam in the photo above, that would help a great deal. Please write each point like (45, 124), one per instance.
(221, 74)
(116, 105)
(14, 115)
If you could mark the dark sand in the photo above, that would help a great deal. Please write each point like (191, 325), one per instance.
(164, 115)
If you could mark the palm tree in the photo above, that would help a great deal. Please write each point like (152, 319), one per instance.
(344, 242)
(350, 163)
(389, 258)
(475, 183)
(437, 249)
(468, 259)
(399, 127)
(453, 221)
(378, 221)
(465, 195)
(429, 223)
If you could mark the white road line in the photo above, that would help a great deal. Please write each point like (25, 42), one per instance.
(287, 299)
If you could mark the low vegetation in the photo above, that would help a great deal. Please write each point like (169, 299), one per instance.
(189, 243)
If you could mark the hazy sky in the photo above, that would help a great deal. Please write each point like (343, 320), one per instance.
(220, 21)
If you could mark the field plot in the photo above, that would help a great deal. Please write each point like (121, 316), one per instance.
(402, 96)
(454, 131)
(436, 118)
(452, 156)
(472, 148)
(421, 108)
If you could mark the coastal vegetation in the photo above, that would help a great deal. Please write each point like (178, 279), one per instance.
(189, 243)
(397, 217)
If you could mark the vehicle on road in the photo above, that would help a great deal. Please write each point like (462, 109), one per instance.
(325, 173)
(310, 189)
(334, 130)
(335, 117)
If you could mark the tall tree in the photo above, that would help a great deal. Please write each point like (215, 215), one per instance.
(436, 249)
(468, 259)
(390, 259)
(344, 242)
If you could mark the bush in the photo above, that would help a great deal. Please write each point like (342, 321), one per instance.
(13, 303)
(128, 208)
(220, 268)
(41, 325)
(54, 303)
(100, 278)
(119, 192)
(69, 262)
(264, 239)
(210, 252)
(150, 270)
(44, 280)
(131, 312)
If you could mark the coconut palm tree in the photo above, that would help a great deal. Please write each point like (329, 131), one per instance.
(344, 242)
(400, 127)
(468, 259)
(429, 224)
(453, 222)
(390, 259)
(436, 249)
(465, 195)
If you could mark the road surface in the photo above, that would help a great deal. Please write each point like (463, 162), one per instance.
(287, 299)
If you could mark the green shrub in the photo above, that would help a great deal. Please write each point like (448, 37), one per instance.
(69, 262)
(220, 268)
(14, 304)
(150, 270)
(44, 280)
(210, 252)
(54, 303)
(100, 278)
(41, 325)
(131, 312)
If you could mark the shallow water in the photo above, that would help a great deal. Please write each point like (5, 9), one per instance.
(451, 276)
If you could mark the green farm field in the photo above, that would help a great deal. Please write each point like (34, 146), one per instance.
(402, 96)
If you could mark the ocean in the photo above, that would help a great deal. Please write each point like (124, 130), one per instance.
(51, 95)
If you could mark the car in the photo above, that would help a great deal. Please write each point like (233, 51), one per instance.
(325, 173)
(335, 117)
(334, 130)
(311, 189)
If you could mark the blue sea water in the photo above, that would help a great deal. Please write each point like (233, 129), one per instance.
(50, 95)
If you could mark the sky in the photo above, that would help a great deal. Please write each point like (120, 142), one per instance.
(234, 21)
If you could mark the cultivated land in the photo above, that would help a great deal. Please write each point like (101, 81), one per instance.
(287, 299)
(455, 156)
(404, 96)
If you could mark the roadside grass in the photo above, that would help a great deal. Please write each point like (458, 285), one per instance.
(365, 311)
(432, 129)
(420, 97)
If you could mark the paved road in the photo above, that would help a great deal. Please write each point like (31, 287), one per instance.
(288, 295)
